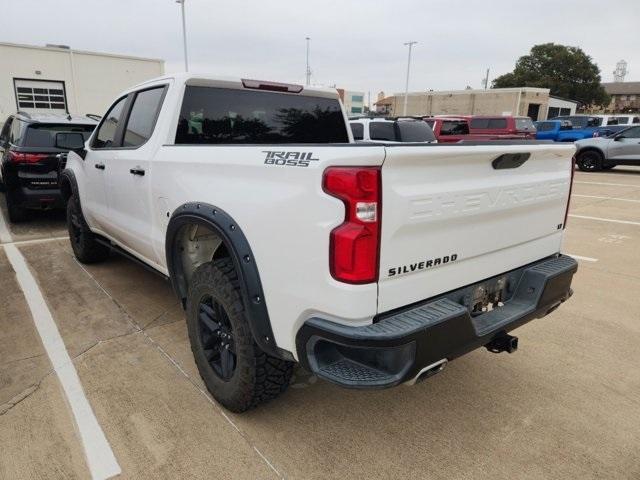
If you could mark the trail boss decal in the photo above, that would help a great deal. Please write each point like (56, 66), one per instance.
(288, 159)
(414, 267)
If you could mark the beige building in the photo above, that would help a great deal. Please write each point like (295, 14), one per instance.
(525, 101)
(58, 79)
(625, 97)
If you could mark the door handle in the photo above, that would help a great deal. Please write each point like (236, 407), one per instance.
(99, 166)
(137, 171)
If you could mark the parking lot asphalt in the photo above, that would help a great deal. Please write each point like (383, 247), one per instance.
(565, 405)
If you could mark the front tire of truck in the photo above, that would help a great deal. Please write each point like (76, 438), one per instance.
(590, 161)
(235, 370)
(83, 241)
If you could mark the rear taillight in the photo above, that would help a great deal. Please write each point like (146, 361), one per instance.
(573, 171)
(354, 245)
(17, 157)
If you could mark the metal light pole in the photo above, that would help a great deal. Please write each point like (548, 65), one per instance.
(184, 35)
(308, 68)
(406, 86)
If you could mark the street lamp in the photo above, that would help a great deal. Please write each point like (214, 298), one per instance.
(184, 35)
(308, 39)
(406, 86)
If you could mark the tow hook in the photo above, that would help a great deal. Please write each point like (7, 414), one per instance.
(503, 343)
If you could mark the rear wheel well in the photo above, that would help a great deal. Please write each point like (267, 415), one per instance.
(589, 149)
(198, 245)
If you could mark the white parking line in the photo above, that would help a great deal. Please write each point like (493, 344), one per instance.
(607, 183)
(5, 235)
(608, 198)
(100, 458)
(580, 257)
(611, 220)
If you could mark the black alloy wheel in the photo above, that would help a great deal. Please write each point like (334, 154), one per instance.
(216, 337)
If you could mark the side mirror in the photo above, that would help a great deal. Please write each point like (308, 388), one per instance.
(71, 141)
(617, 138)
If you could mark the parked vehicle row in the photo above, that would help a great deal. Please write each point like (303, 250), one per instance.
(372, 265)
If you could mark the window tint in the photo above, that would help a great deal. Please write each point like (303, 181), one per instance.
(454, 127)
(524, 123)
(228, 116)
(496, 123)
(415, 131)
(143, 116)
(44, 135)
(16, 133)
(382, 131)
(633, 132)
(635, 120)
(613, 121)
(106, 136)
(622, 120)
(545, 126)
(358, 131)
(480, 123)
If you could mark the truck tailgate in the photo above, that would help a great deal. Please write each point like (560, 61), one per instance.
(454, 215)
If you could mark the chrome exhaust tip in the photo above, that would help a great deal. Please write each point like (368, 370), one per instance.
(428, 371)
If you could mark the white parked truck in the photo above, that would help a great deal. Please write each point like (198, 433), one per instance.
(372, 265)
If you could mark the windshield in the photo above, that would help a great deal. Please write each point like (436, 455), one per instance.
(44, 135)
(417, 131)
(525, 123)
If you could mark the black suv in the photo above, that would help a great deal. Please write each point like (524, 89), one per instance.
(29, 159)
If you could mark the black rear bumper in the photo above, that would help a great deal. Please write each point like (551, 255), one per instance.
(400, 344)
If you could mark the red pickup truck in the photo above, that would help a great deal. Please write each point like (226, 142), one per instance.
(502, 125)
(455, 129)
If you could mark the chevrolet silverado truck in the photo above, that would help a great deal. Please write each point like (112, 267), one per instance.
(372, 265)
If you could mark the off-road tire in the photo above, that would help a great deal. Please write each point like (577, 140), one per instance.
(257, 376)
(17, 213)
(590, 161)
(83, 241)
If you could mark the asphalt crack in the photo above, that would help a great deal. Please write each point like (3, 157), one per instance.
(21, 397)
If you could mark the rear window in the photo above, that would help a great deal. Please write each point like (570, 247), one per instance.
(44, 135)
(417, 131)
(358, 131)
(545, 126)
(524, 123)
(226, 116)
(382, 131)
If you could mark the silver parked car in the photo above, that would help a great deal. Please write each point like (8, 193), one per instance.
(620, 148)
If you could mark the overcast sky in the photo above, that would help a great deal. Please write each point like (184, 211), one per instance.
(356, 44)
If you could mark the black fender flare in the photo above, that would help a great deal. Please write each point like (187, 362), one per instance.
(238, 247)
(68, 184)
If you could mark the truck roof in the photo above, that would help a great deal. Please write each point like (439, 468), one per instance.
(203, 79)
(42, 117)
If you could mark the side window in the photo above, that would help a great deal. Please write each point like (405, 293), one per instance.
(358, 131)
(4, 134)
(632, 133)
(106, 136)
(142, 118)
(382, 131)
(479, 123)
(497, 123)
(17, 132)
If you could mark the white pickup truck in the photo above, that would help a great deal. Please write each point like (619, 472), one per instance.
(370, 264)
